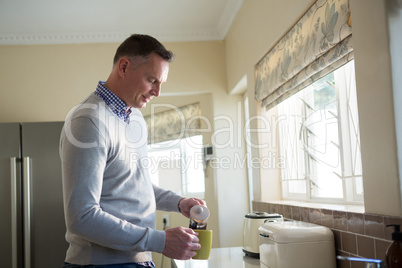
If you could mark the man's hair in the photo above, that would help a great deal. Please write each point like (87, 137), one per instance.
(141, 45)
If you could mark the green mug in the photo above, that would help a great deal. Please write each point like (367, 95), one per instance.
(205, 237)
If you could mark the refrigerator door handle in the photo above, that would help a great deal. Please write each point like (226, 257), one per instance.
(13, 171)
(27, 211)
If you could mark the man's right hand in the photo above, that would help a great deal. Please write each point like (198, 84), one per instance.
(180, 243)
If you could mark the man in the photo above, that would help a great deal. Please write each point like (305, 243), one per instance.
(109, 200)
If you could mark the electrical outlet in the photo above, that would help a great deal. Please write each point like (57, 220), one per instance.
(166, 218)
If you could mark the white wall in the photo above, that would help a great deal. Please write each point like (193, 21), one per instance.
(394, 9)
(375, 104)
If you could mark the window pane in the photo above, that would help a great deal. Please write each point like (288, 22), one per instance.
(165, 162)
(194, 180)
(326, 185)
(178, 165)
(289, 122)
(351, 153)
(297, 187)
(359, 185)
(319, 139)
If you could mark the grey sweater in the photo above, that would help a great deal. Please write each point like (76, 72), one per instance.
(109, 200)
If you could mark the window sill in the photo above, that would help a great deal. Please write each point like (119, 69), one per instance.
(336, 207)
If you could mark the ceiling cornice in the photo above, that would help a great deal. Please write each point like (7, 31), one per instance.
(206, 32)
(96, 37)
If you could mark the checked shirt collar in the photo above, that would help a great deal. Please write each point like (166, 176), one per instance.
(117, 105)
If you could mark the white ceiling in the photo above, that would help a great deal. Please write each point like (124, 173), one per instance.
(94, 21)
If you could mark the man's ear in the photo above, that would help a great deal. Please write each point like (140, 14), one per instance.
(123, 66)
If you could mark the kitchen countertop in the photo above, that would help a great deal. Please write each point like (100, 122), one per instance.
(221, 257)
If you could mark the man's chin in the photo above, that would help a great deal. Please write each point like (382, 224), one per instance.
(142, 105)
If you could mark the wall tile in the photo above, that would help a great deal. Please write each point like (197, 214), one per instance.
(357, 264)
(273, 208)
(304, 214)
(337, 238)
(381, 247)
(340, 220)
(355, 223)
(287, 212)
(326, 218)
(374, 226)
(315, 215)
(280, 209)
(349, 242)
(365, 247)
(342, 263)
(296, 213)
(264, 207)
(257, 206)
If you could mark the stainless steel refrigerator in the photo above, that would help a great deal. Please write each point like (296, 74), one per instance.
(32, 224)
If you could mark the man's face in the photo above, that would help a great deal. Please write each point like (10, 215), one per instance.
(144, 82)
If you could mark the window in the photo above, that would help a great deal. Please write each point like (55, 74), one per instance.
(319, 141)
(178, 165)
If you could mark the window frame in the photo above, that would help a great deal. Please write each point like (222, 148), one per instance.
(350, 195)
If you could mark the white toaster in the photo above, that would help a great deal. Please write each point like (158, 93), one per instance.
(296, 244)
(252, 222)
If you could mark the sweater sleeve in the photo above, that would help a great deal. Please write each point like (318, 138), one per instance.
(83, 151)
(166, 200)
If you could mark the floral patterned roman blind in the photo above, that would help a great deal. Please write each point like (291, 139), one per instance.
(317, 44)
(173, 123)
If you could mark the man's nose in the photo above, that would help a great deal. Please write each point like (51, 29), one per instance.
(156, 90)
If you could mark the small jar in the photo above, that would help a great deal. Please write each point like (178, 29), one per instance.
(199, 217)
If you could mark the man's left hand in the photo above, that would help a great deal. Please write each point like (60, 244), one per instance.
(186, 204)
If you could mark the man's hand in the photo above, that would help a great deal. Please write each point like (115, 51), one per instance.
(180, 243)
(186, 204)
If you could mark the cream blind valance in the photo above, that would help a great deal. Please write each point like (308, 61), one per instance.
(320, 42)
(173, 123)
